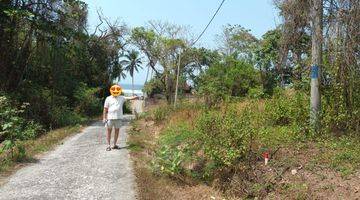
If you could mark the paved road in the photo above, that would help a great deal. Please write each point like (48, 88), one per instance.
(78, 169)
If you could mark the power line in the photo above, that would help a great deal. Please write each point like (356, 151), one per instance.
(209, 23)
(197, 39)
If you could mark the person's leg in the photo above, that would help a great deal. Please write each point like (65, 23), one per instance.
(117, 126)
(108, 135)
(116, 135)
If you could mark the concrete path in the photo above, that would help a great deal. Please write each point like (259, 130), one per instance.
(78, 169)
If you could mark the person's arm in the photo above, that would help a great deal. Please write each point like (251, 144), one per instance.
(131, 98)
(106, 109)
(105, 113)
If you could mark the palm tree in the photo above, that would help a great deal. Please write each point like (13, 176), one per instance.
(132, 63)
(118, 72)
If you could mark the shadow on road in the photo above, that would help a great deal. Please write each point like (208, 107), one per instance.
(126, 119)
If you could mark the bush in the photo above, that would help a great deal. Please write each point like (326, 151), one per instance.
(224, 136)
(230, 78)
(127, 107)
(288, 108)
(154, 86)
(337, 117)
(160, 113)
(64, 116)
(218, 140)
(256, 93)
(13, 127)
(86, 101)
(175, 150)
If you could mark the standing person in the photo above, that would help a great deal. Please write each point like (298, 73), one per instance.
(113, 113)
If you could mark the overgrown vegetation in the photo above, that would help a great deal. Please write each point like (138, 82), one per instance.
(256, 96)
(251, 94)
(224, 146)
(54, 73)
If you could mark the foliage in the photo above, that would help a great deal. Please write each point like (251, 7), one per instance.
(63, 116)
(127, 107)
(161, 113)
(176, 150)
(197, 59)
(229, 78)
(224, 137)
(256, 93)
(267, 59)
(218, 140)
(13, 126)
(288, 107)
(237, 42)
(87, 103)
(340, 61)
(48, 58)
(154, 86)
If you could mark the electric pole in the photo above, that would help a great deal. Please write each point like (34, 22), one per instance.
(316, 61)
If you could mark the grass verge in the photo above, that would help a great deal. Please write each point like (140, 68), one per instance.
(302, 166)
(142, 142)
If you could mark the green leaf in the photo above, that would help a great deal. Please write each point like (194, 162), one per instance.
(8, 144)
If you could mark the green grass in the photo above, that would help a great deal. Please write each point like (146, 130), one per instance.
(341, 154)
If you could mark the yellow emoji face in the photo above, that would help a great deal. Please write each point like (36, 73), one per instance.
(115, 90)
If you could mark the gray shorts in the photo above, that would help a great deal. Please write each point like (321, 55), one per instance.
(116, 123)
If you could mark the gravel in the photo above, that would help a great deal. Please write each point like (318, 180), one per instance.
(80, 168)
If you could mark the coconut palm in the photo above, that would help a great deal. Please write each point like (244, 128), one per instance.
(132, 63)
(118, 72)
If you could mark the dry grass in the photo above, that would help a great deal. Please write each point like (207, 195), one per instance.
(142, 143)
(326, 168)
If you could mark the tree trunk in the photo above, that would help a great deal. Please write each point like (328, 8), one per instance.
(132, 85)
(168, 86)
(316, 59)
(177, 81)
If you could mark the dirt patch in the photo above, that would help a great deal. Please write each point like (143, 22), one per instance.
(293, 175)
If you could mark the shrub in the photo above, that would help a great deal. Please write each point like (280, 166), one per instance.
(224, 136)
(256, 93)
(229, 78)
(154, 86)
(337, 117)
(286, 109)
(64, 116)
(175, 150)
(87, 103)
(13, 127)
(160, 113)
(127, 107)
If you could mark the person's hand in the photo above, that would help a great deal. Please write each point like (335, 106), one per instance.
(105, 121)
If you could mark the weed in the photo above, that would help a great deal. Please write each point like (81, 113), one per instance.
(160, 114)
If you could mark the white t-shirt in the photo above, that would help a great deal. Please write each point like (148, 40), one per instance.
(115, 106)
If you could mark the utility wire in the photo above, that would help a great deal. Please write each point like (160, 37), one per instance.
(201, 34)
(197, 39)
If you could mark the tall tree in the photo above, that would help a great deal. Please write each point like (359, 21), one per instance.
(238, 42)
(161, 43)
(132, 63)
